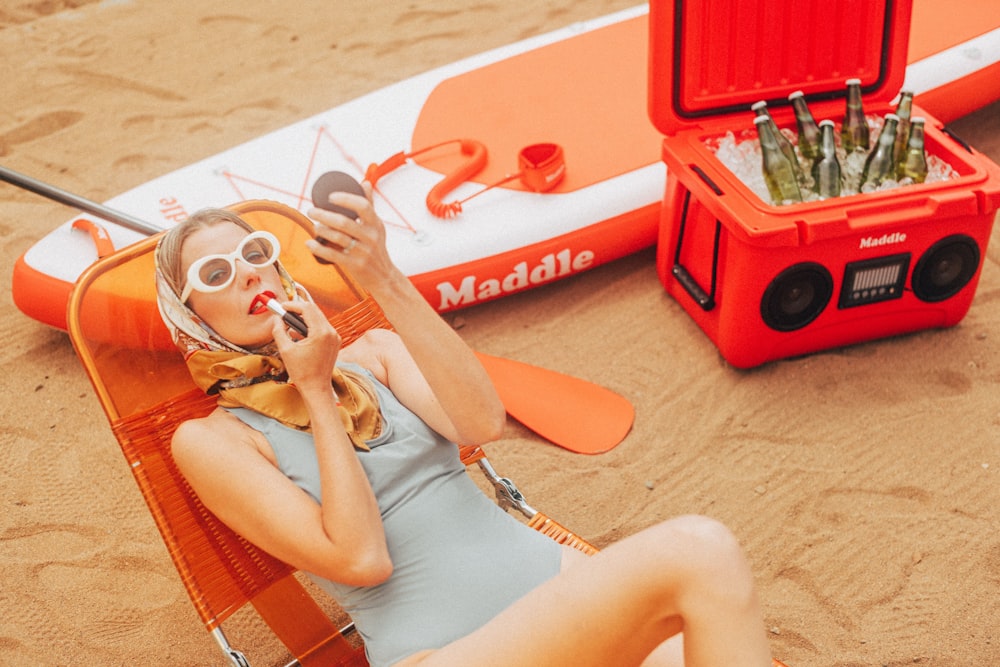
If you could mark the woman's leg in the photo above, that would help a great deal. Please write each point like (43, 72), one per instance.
(619, 606)
(668, 654)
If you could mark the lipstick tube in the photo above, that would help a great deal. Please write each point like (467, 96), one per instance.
(291, 319)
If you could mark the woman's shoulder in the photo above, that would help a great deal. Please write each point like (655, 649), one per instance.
(218, 421)
(372, 340)
(220, 432)
(371, 350)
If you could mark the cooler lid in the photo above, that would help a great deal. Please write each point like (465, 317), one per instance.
(714, 58)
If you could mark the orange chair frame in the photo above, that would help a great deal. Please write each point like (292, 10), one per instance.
(145, 391)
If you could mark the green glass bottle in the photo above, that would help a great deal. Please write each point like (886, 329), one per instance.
(808, 131)
(914, 164)
(761, 110)
(826, 168)
(880, 166)
(904, 109)
(779, 175)
(854, 129)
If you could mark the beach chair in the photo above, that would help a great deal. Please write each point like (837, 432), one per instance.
(146, 392)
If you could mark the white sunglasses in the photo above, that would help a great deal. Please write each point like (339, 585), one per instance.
(216, 272)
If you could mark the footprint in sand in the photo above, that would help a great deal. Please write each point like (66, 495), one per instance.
(55, 542)
(26, 12)
(122, 594)
(40, 126)
(870, 573)
(110, 583)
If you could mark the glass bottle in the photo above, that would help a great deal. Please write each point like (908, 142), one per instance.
(808, 131)
(826, 168)
(903, 110)
(761, 110)
(779, 175)
(854, 129)
(880, 166)
(914, 164)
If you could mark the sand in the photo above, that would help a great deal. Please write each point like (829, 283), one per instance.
(864, 482)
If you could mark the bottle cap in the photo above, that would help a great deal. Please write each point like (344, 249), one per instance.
(853, 82)
(758, 105)
(797, 93)
(760, 119)
(825, 121)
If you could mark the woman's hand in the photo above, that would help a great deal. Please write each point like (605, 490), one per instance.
(345, 529)
(433, 372)
(309, 361)
(358, 245)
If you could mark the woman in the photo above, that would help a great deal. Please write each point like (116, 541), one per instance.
(341, 462)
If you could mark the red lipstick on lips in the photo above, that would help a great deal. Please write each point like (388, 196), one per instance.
(270, 301)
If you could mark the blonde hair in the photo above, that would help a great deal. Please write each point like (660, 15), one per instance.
(168, 251)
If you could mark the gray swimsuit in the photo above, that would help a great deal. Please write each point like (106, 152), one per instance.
(458, 559)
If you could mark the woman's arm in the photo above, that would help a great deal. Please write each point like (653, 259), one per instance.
(433, 356)
(226, 462)
(384, 353)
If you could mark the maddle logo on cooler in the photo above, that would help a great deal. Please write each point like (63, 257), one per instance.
(550, 267)
(885, 239)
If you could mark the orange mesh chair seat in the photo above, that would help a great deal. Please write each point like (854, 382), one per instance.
(146, 392)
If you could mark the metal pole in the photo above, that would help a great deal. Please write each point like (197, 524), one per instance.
(76, 201)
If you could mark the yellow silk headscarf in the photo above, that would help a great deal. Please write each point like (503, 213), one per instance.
(256, 379)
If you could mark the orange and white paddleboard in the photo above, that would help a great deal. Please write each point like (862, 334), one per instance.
(581, 89)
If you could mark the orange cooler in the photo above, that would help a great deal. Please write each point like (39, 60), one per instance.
(766, 282)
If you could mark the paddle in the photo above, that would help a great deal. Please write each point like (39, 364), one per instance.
(575, 414)
(570, 412)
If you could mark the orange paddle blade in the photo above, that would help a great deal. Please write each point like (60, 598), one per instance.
(575, 414)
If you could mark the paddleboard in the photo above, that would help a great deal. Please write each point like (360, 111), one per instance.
(582, 88)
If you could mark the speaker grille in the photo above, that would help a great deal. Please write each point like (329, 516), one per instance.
(945, 268)
(796, 296)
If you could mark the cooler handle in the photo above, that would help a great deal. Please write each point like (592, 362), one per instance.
(957, 139)
(706, 300)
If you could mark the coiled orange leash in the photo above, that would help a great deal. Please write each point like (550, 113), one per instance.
(542, 167)
(472, 166)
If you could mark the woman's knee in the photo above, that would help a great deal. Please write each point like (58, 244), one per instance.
(703, 550)
(706, 535)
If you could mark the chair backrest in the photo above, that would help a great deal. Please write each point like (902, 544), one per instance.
(146, 392)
